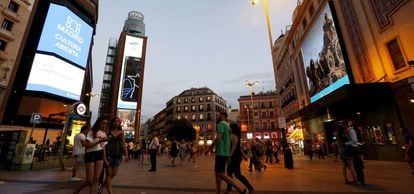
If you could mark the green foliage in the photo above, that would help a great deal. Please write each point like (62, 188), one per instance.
(181, 129)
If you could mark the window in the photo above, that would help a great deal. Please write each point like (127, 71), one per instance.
(200, 107)
(3, 45)
(185, 100)
(193, 99)
(200, 99)
(13, 6)
(178, 117)
(178, 109)
(185, 108)
(193, 108)
(272, 125)
(208, 116)
(186, 117)
(178, 101)
(208, 107)
(7, 24)
(271, 114)
(264, 115)
(201, 117)
(396, 55)
(208, 98)
(193, 117)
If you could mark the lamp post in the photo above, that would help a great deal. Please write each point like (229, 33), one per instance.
(250, 84)
(269, 30)
(287, 152)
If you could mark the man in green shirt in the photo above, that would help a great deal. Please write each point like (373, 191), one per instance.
(222, 143)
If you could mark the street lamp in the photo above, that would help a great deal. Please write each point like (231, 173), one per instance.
(269, 30)
(287, 152)
(250, 84)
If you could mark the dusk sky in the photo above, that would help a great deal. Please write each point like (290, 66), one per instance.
(195, 43)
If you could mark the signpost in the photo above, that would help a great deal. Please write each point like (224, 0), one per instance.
(35, 119)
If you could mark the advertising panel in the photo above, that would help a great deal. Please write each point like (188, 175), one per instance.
(323, 57)
(131, 73)
(66, 35)
(55, 76)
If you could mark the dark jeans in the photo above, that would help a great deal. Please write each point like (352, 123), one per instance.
(358, 165)
(153, 158)
(234, 168)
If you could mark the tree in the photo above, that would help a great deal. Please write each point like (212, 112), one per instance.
(181, 129)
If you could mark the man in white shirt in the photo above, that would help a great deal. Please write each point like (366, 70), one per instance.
(153, 150)
(78, 151)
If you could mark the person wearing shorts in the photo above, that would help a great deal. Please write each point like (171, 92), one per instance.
(78, 152)
(94, 154)
(222, 143)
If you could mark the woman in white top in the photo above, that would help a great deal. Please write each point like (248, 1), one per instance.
(94, 156)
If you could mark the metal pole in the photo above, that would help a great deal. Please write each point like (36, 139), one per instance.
(269, 30)
(31, 132)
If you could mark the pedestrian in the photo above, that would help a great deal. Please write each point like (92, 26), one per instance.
(182, 151)
(347, 157)
(130, 149)
(309, 148)
(236, 157)
(408, 148)
(153, 148)
(94, 154)
(319, 150)
(222, 144)
(268, 151)
(78, 152)
(142, 151)
(358, 163)
(174, 151)
(275, 150)
(114, 150)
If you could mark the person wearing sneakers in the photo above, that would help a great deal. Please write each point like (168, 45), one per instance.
(79, 151)
(222, 144)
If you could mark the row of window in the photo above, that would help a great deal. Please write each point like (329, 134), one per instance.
(263, 104)
(193, 108)
(195, 117)
(193, 100)
(265, 125)
(264, 114)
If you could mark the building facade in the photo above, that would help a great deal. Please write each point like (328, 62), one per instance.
(349, 60)
(124, 75)
(259, 120)
(200, 106)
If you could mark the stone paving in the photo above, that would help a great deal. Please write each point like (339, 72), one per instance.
(316, 176)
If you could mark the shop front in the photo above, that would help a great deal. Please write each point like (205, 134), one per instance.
(371, 110)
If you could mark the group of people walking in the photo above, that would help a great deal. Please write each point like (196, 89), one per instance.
(100, 147)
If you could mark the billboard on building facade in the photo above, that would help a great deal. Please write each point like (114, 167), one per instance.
(66, 35)
(323, 57)
(55, 76)
(129, 84)
(59, 64)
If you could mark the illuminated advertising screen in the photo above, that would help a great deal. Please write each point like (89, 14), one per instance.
(55, 76)
(323, 57)
(66, 35)
(131, 73)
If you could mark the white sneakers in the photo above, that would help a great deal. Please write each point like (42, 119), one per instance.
(73, 179)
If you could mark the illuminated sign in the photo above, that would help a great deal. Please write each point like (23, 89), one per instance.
(66, 35)
(55, 76)
(131, 73)
(323, 57)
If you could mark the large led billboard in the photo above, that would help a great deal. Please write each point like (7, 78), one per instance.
(323, 57)
(55, 76)
(131, 73)
(66, 35)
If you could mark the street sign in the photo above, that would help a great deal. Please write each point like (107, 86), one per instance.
(36, 118)
(282, 122)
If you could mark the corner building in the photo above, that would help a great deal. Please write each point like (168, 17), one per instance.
(349, 60)
(200, 106)
(121, 93)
